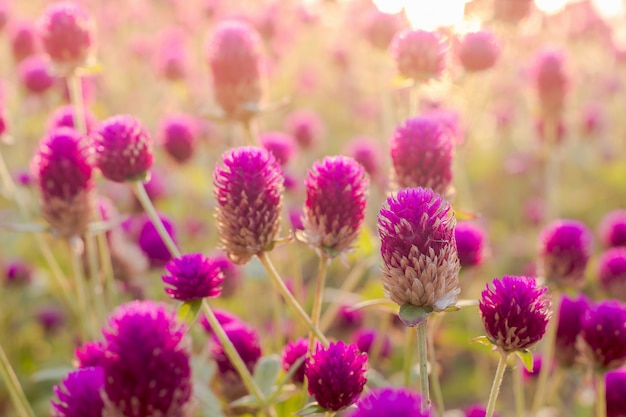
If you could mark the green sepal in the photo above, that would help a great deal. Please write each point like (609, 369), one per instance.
(310, 409)
(188, 311)
(412, 315)
(452, 309)
(483, 340)
(465, 215)
(526, 356)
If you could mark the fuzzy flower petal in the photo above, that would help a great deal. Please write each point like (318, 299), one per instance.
(603, 335)
(390, 402)
(78, 395)
(193, 276)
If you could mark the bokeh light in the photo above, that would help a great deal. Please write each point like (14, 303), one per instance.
(390, 6)
(429, 15)
(550, 6)
(609, 8)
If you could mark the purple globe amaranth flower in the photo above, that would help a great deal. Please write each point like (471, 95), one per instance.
(248, 190)
(234, 55)
(334, 209)
(123, 149)
(64, 117)
(421, 154)
(336, 375)
(147, 362)
(390, 402)
(551, 80)
(603, 335)
(366, 152)
(179, 136)
(613, 228)
(533, 374)
(78, 395)
(470, 244)
(36, 75)
(51, 318)
(224, 317)
(564, 247)
(478, 51)
(151, 243)
(67, 34)
(24, 40)
(612, 272)
(279, 144)
(571, 313)
(420, 262)
(64, 172)
(232, 275)
(515, 312)
(420, 55)
(349, 319)
(18, 272)
(306, 127)
(616, 393)
(366, 338)
(293, 352)
(193, 276)
(90, 354)
(477, 410)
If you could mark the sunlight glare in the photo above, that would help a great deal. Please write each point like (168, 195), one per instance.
(551, 6)
(430, 15)
(389, 6)
(609, 8)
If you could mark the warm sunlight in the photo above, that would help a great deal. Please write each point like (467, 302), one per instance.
(390, 6)
(609, 8)
(429, 15)
(550, 6)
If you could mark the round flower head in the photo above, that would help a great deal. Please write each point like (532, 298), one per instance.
(306, 127)
(293, 352)
(151, 243)
(419, 54)
(550, 78)
(234, 56)
(67, 34)
(232, 275)
(78, 395)
(36, 75)
(24, 40)
(248, 190)
(64, 117)
(420, 262)
(571, 313)
(193, 276)
(515, 312)
(334, 210)
(365, 340)
(613, 228)
(603, 333)
(478, 51)
(380, 28)
(18, 273)
(564, 247)
(51, 318)
(63, 170)
(469, 243)
(280, 145)
(367, 153)
(90, 354)
(179, 136)
(390, 402)
(421, 154)
(147, 363)
(477, 410)
(612, 272)
(336, 375)
(616, 393)
(123, 149)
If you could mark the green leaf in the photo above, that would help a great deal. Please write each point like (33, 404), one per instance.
(265, 373)
(248, 401)
(285, 380)
(483, 340)
(210, 405)
(412, 315)
(526, 356)
(311, 408)
(188, 311)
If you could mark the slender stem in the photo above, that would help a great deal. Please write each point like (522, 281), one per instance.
(409, 351)
(76, 248)
(107, 268)
(289, 298)
(600, 395)
(316, 312)
(518, 390)
(248, 130)
(434, 375)
(277, 332)
(144, 199)
(495, 387)
(22, 407)
(550, 137)
(76, 97)
(96, 282)
(422, 349)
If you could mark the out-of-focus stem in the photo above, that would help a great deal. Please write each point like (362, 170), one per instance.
(96, 282)
(22, 407)
(495, 387)
(551, 156)
(318, 297)
(434, 375)
(518, 391)
(76, 96)
(600, 395)
(289, 298)
(422, 350)
(76, 248)
(414, 99)
(409, 350)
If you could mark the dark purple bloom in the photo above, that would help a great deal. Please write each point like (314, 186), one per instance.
(534, 373)
(349, 319)
(603, 332)
(612, 272)
(564, 247)
(613, 228)
(193, 276)
(17, 273)
(469, 243)
(421, 154)
(306, 127)
(477, 410)
(90, 354)
(78, 395)
(420, 263)
(292, 352)
(123, 149)
(478, 51)
(367, 337)
(36, 74)
(147, 362)
(336, 375)
(51, 318)
(334, 210)
(616, 393)
(151, 243)
(248, 190)
(390, 402)
(571, 313)
(179, 136)
(64, 117)
(280, 145)
(224, 317)
(515, 312)
(420, 55)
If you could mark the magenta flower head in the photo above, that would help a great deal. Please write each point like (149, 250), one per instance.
(603, 334)
(551, 80)
(421, 154)
(64, 172)
(616, 393)
(469, 243)
(336, 375)
(334, 210)
(281, 145)
(147, 362)
(78, 395)
(478, 51)
(24, 40)
(178, 134)
(64, 117)
(612, 272)
(477, 410)
(515, 312)
(90, 354)
(564, 247)
(224, 317)
(366, 338)
(193, 276)
(17, 273)
(420, 55)
(234, 54)
(293, 352)
(151, 243)
(367, 153)
(420, 262)
(306, 127)
(67, 34)
(123, 149)
(36, 75)
(571, 313)
(390, 402)
(248, 190)
(613, 228)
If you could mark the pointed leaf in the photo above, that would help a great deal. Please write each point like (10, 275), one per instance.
(526, 356)
(248, 401)
(188, 311)
(265, 373)
(210, 405)
(311, 408)
(483, 340)
(412, 315)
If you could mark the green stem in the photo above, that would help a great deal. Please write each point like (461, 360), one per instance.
(434, 375)
(316, 312)
(107, 268)
(422, 349)
(76, 97)
(518, 390)
(600, 395)
(96, 282)
(76, 248)
(409, 350)
(144, 199)
(289, 298)
(495, 387)
(22, 407)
